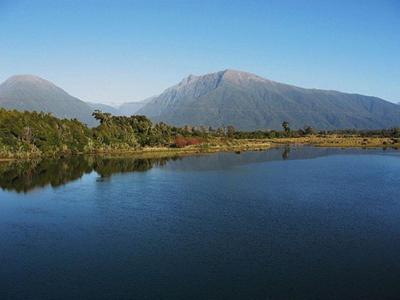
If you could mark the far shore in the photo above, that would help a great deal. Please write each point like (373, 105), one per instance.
(341, 141)
(149, 152)
(240, 145)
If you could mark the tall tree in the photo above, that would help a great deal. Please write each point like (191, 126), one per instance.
(286, 127)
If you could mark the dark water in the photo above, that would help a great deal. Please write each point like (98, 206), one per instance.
(302, 223)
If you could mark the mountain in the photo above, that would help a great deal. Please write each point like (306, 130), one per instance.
(32, 93)
(228, 97)
(250, 102)
(131, 108)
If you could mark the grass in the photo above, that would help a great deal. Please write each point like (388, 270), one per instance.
(218, 144)
(342, 141)
(208, 146)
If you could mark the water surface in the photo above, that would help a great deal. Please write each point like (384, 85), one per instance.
(291, 223)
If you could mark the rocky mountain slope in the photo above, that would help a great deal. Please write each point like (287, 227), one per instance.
(250, 102)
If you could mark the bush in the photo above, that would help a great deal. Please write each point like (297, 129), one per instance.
(181, 141)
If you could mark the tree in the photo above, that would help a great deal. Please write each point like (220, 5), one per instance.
(220, 131)
(286, 127)
(395, 132)
(286, 152)
(100, 116)
(27, 134)
(230, 131)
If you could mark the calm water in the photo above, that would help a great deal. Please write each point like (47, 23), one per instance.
(300, 223)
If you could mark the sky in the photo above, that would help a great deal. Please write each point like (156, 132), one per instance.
(121, 51)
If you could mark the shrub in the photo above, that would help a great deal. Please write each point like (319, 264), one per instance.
(193, 141)
(181, 141)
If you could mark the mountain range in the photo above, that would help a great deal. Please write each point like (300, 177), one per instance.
(250, 102)
(228, 97)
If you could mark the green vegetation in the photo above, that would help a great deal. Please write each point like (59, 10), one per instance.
(286, 128)
(309, 131)
(32, 134)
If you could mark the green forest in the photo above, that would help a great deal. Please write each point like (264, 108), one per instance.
(32, 134)
(38, 133)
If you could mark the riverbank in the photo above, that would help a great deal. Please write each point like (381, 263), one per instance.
(208, 146)
(233, 145)
(341, 141)
(30, 135)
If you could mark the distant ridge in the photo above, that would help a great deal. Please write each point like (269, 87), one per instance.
(228, 97)
(131, 108)
(250, 102)
(104, 108)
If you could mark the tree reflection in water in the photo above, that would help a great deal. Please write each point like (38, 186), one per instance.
(23, 176)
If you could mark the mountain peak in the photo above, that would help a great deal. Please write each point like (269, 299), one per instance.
(227, 75)
(238, 76)
(33, 93)
(27, 82)
(27, 78)
(235, 72)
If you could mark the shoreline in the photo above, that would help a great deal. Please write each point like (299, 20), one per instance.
(235, 145)
(337, 141)
(149, 152)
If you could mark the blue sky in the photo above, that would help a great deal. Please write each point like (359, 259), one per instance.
(116, 51)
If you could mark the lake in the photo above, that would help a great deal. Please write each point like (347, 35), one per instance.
(286, 223)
